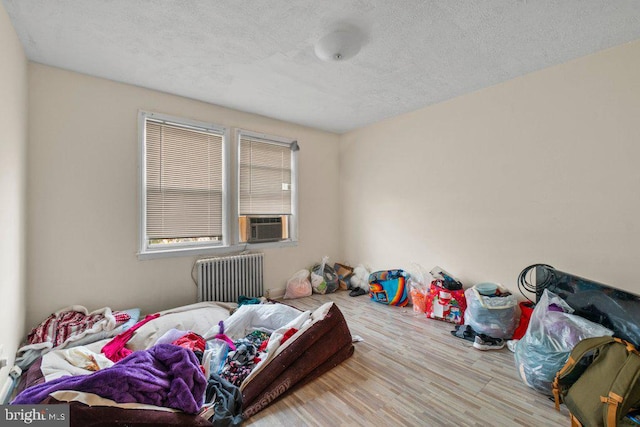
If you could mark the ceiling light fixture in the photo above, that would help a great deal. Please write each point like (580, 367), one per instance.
(339, 45)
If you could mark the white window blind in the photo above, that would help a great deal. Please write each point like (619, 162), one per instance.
(184, 183)
(265, 177)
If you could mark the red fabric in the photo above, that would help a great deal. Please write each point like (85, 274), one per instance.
(121, 317)
(58, 328)
(285, 337)
(526, 309)
(191, 341)
(288, 335)
(115, 349)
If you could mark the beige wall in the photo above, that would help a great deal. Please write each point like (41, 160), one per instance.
(543, 168)
(83, 196)
(538, 169)
(13, 144)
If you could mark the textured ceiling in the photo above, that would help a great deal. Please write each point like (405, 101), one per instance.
(258, 56)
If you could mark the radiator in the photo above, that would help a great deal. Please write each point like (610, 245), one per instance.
(226, 278)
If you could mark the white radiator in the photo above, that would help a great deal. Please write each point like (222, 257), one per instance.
(226, 278)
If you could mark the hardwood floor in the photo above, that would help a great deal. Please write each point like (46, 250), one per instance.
(410, 370)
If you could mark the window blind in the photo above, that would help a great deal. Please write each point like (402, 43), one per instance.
(183, 182)
(265, 177)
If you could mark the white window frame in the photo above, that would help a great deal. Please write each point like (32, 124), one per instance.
(230, 199)
(293, 220)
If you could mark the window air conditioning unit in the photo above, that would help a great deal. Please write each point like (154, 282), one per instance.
(264, 229)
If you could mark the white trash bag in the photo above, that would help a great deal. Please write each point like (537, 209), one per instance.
(299, 285)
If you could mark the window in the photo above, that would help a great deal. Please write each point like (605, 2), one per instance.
(265, 187)
(201, 193)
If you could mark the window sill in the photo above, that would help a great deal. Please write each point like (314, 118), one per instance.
(212, 251)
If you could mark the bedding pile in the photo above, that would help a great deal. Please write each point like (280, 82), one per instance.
(165, 375)
(72, 326)
(195, 359)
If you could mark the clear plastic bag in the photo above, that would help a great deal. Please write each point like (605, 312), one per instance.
(552, 333)
(419, 280)
(298, 286)
(217, 350)
(418, 295)
(324, 279)
(496, 316)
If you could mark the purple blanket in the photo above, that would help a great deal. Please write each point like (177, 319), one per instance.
(164, 375)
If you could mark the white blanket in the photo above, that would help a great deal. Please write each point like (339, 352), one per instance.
(81, 360)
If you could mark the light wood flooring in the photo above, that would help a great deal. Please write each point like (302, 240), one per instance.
(410, 371)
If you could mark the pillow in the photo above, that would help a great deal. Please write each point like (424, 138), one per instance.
(197, 318)
(134, 315)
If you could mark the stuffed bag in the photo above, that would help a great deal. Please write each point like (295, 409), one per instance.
(389, 287)
(445, 304)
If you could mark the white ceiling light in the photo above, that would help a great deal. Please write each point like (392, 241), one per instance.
(339, 45)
